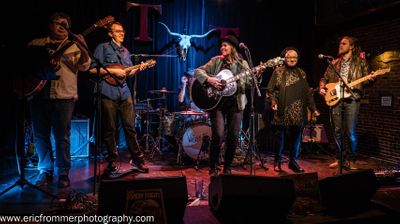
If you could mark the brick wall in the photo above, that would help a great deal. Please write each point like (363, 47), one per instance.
(378, 127)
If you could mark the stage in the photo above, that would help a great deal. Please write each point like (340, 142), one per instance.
(28, 201)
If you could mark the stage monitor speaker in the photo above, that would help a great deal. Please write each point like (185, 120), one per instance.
(163, 198)
(79, 138)
(348, 193)
(249, 199)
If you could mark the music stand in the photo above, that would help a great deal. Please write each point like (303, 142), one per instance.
(38, 68)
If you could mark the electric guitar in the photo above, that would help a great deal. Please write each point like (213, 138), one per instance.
(206, 97)
(333, 97)
(120, 80)
(31, 87)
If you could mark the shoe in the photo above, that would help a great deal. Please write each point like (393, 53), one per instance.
(111, 167)
(278, 167)
(334, 165)
(63, 181)
(353, 166)
(213, 174)
(227, 171)
(295, 167)
(140, 166)
(44, 178)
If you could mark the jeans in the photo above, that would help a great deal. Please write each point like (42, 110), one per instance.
(233, 118)
(351, 108)
(56, 115)
(290, 135)
(110, 111)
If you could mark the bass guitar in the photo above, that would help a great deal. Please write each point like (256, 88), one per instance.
(333, 96)
(30, 87)
(206, 97)
(114, 81)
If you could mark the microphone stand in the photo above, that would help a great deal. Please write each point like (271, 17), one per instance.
(97, 117)
(343, 85)
(252, 143)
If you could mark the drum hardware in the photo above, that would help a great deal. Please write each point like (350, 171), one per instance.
(195, 142)
(147, 138)
(204, 150)
(160, 139)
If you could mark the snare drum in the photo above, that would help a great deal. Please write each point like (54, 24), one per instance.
(194, 137)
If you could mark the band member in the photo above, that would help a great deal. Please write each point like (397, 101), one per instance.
(116, 100)
(350, 66)
(52, 108)
(231, 108)
(290, 96)
(185, 91)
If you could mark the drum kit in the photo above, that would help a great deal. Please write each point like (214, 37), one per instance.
(188, 131)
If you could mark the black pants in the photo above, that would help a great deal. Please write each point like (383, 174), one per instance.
(110, 110)
(228, 111)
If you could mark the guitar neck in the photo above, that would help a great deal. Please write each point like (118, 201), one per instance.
(241, 75)
(88, 30)
(358, 81)
(130, 68)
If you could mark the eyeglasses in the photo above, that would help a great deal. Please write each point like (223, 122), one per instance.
(119, 31)
(63, 24)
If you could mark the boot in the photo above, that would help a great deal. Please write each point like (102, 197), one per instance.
(295, 167)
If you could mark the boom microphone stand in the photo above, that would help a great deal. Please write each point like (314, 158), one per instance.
(252, 141)
(99, 79)
(343, 85)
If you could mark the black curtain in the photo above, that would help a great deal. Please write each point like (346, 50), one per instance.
(266, 27)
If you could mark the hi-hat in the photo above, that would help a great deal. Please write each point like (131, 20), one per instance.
(162, 91)
(190, 112)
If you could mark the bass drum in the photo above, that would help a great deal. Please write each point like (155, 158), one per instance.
(194, 138)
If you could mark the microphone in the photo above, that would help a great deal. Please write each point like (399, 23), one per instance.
(321, 56)
(243, 46)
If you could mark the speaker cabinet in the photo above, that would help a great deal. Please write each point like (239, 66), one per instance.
(79, 138)
(163, 198)
(249, 199)
(348, 192)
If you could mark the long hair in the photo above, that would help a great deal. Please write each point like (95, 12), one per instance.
(235, 54)
(356, 48)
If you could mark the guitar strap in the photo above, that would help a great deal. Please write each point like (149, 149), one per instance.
(118, 53)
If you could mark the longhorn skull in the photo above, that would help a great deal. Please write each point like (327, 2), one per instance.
(184, 41)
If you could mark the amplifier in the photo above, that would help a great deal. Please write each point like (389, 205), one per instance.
(79, 138)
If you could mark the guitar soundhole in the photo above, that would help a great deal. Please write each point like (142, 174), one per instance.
(333, 92)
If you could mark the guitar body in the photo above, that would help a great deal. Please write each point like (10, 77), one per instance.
(111, 80)
(207, 97)
(28, 88)
(333, 95)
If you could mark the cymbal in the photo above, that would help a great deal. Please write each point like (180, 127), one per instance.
(162, 91)
(148, 99)
(190, 112)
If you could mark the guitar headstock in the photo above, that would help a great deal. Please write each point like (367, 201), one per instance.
(150, 63)
(105, 21)
(274, 62)
(380, 72)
